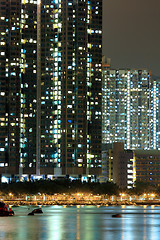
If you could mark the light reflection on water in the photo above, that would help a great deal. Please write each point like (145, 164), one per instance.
(83, 223)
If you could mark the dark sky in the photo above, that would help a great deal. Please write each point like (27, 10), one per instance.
(131, 33)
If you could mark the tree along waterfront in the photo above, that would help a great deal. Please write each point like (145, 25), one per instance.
(66, 186)
(59, 186)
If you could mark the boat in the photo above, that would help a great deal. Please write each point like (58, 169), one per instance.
(116, 215)
(5, 210)
(31, 214)
(37, 210)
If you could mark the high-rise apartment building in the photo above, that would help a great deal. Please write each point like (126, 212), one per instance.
(128, 108)
(10, 48)
(156, 109)
(51, 50)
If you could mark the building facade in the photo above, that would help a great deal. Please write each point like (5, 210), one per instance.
(54, 63)
(147, 166)
(118, 165)
(128, 108)
(156, 93)
(10, 48)
(128, 167)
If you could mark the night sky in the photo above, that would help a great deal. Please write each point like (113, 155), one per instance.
(131, 33)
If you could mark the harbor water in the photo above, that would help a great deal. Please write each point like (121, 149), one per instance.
(82, 223)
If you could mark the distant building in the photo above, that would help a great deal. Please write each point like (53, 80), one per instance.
(106, 164)
(117, 165)
(147, 166)
(156, 108)
(128, 102)
(51, 87)
(126, 167)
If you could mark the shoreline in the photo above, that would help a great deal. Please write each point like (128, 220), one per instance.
(17, 203)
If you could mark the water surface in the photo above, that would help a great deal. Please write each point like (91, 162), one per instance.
(82, 223)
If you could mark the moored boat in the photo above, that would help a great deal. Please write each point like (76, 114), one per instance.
(37, 210)
(5, 210)
(116, 215)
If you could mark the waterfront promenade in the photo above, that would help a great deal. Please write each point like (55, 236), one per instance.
(80, 199)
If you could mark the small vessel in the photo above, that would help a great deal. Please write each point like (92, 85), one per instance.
(31, 214)
(116, 215)
(5, 210)
(37, 210)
